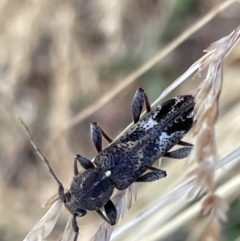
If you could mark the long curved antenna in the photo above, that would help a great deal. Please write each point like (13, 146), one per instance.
(42, 156)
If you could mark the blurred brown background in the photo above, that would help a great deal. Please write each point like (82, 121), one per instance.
(59, 57)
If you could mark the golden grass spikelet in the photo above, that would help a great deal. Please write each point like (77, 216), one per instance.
(45, 226)
(104, 232)
(51, 200)
(206, 109)
(211, 232)
(68, 233)
(206, 147)
(123, 201)
(204, 178)
(131, 195)
(205, 153)
(215, 206)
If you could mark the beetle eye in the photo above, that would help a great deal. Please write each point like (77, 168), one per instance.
(67, 197)
(80, 212)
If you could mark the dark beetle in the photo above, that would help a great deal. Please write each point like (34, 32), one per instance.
(128, 158)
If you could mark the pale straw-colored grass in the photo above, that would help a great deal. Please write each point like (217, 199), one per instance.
(66, 69)
(202, 177)
(45, 226)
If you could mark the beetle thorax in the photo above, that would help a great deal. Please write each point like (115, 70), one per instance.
(91, 189)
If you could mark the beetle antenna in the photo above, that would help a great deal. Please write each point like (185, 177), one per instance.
(42, 156)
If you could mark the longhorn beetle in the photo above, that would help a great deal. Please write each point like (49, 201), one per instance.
(128, 159)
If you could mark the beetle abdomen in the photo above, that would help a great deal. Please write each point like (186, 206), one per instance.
(146, 141)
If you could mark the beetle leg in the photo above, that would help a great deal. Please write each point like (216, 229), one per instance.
(179, 153)
(75, 168)
(96, 136)
(154, 175)
(84, 162)
(79, 213)
(111, 213)
(106, 136)
(183, 143)
(75, 227)
(153, 168)
(137, 104)
(147, 104)
(182, 152)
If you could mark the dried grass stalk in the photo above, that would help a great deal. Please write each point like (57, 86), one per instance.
(205, 151)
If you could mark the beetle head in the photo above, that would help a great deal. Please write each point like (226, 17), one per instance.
(90, 190)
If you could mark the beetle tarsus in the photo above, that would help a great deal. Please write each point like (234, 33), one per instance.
(152, 176)
(179, 153)
(183, 143)
(103, 217)
(147, 103)
(106, 136)
(75, 227)
(96, 136)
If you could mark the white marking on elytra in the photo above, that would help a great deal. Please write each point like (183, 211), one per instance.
(165, 140)
(190, 115)
(96, 183)
(178, 99)
(157, 110)
(149, 124)
(92, 127)
(108, 173)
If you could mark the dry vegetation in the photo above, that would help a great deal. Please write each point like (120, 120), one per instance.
(64, 64)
